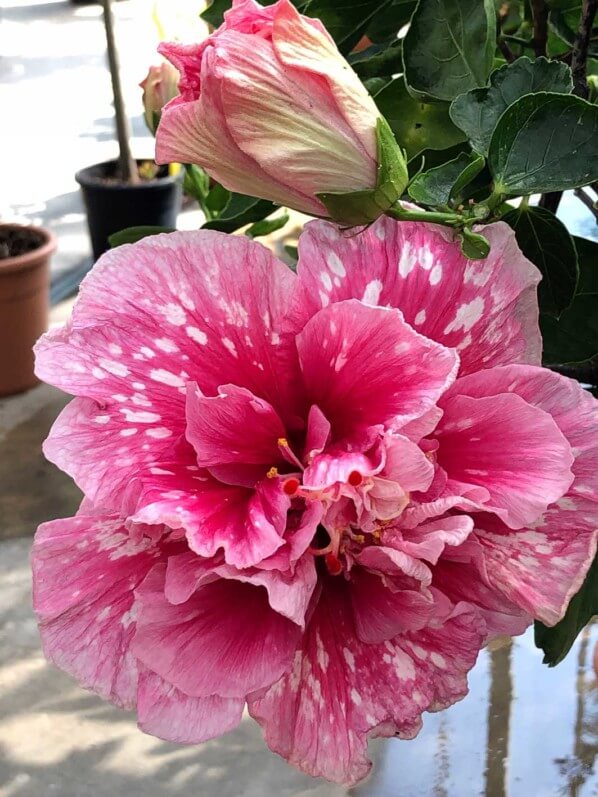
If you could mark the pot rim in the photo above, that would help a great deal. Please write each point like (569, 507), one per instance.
(35, 256)
(85, 179)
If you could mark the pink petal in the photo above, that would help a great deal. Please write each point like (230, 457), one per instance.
(85, 570)
(288, 120)
(574, 410)
(342, 691)
(132, 354)
(233, 428)
(318, 432)
(289, 592)
(380, 613)
(195, 130)
(246, 524)
(541, 568)
(406, 464)
(301, 528)
(510, 448)
(462, 576)
(328, 469)
(486, 309)
(224, 640)
(166, 712)
(429, 540)
(365, 366)
(303, 46)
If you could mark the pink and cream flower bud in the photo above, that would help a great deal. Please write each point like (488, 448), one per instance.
(159, 87)
(269, 107)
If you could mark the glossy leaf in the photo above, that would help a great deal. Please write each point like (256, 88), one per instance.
(557, 641)
(573, 338)
(477, 111)
(217, 199)
(564, 22)
(378, 62)
(267, 226)
(449, 47)
(545, 142)
(214, 14)
(196, 182)
(387, 22)
(417, 125)
(131, 235)
(241, 210)
(439, 185)
(545, 240)
(345, 20)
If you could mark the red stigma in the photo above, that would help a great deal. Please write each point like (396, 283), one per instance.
(333, 564)
(355, 478)
(291, 486)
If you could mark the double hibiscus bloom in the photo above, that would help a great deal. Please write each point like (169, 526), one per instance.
(317, 495)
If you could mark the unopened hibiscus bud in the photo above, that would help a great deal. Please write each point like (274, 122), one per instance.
(159, 87)
(269, 107)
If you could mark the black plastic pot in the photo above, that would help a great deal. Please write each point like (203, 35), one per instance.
(112, 206)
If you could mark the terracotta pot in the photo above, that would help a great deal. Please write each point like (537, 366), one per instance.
(24, 303)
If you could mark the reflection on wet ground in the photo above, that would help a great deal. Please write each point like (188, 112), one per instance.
(524, 731)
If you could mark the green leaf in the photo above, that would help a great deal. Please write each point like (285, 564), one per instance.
(557, 641)
(474, 245)
(217, 200)
(573, 338)
(477, 111)
(417, 125)
(214, 14)
(241, 210)
(564, 22)
(133, 234)
(267, 226)
(387, 22)
(439, 185)
(449, 47)
(196, 182)
(345, 20)
(545, 142)
(292, 253)
(376, 62)
(545, 240)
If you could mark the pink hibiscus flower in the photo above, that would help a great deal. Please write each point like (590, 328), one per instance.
(317, 495)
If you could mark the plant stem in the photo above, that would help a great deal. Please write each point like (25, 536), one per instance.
(506, 50)
(540, 17)
(551, 201)
(128, 167)
(581, 46)
(587, 201)
(435, 217)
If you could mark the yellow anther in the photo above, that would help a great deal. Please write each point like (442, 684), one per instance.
(376, 534)
(272, 473)
(283, 442)
(359, 538)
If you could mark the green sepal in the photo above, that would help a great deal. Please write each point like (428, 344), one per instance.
(355, 208)
(473, 245)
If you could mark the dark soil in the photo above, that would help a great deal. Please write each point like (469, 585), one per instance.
(15, 242)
